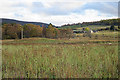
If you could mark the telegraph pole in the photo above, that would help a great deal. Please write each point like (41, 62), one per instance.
(22, 33)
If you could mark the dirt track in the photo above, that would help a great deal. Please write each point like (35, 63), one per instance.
(77, 43)
(98, 42)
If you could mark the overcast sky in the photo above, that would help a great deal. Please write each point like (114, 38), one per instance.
(59, 12)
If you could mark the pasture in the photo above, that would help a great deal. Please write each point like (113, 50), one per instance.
(80, 57)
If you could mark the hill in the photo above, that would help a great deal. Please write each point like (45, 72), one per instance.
(4, 20)
(106, 22)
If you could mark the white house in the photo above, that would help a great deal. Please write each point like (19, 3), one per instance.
(91, 31)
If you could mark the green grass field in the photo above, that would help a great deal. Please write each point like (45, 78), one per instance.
(60, 58)
(93, 27)
(84, 26)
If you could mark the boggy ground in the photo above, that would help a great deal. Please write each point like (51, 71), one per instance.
(60, 58)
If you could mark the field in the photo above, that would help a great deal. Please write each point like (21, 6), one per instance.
(80, 57)
(93, 27)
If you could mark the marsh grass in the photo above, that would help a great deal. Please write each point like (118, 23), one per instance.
(82, 57)
(59, 61)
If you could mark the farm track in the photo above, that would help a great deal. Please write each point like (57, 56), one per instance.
(64, 43)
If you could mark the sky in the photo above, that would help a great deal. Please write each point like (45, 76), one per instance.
(59, 12)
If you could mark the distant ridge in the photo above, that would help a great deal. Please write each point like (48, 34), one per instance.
(5, 20)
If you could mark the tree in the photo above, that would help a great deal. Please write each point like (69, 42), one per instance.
(66, 33)
(62, 33)
(31, 30)
(11, 31)
(69, 33)
(88, 33)
(43, 31)
(50, 31)
(87, 29)
(112, 28)
(57, 33)
(0, 32)
(27, 30)
(39, 31)
(118, 26)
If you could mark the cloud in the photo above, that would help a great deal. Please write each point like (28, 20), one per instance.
(103, 7)
(90, 15)
(57, 12)
(111, 8)
(56, 8)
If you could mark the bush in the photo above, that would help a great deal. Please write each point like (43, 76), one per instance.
(112, 28)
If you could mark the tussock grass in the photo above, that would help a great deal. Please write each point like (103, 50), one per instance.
(80, 57)
(90, 60)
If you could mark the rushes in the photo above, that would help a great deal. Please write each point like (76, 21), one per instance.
(60, 61)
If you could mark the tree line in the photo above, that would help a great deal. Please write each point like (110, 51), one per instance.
(17, 31)
(101, 22)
